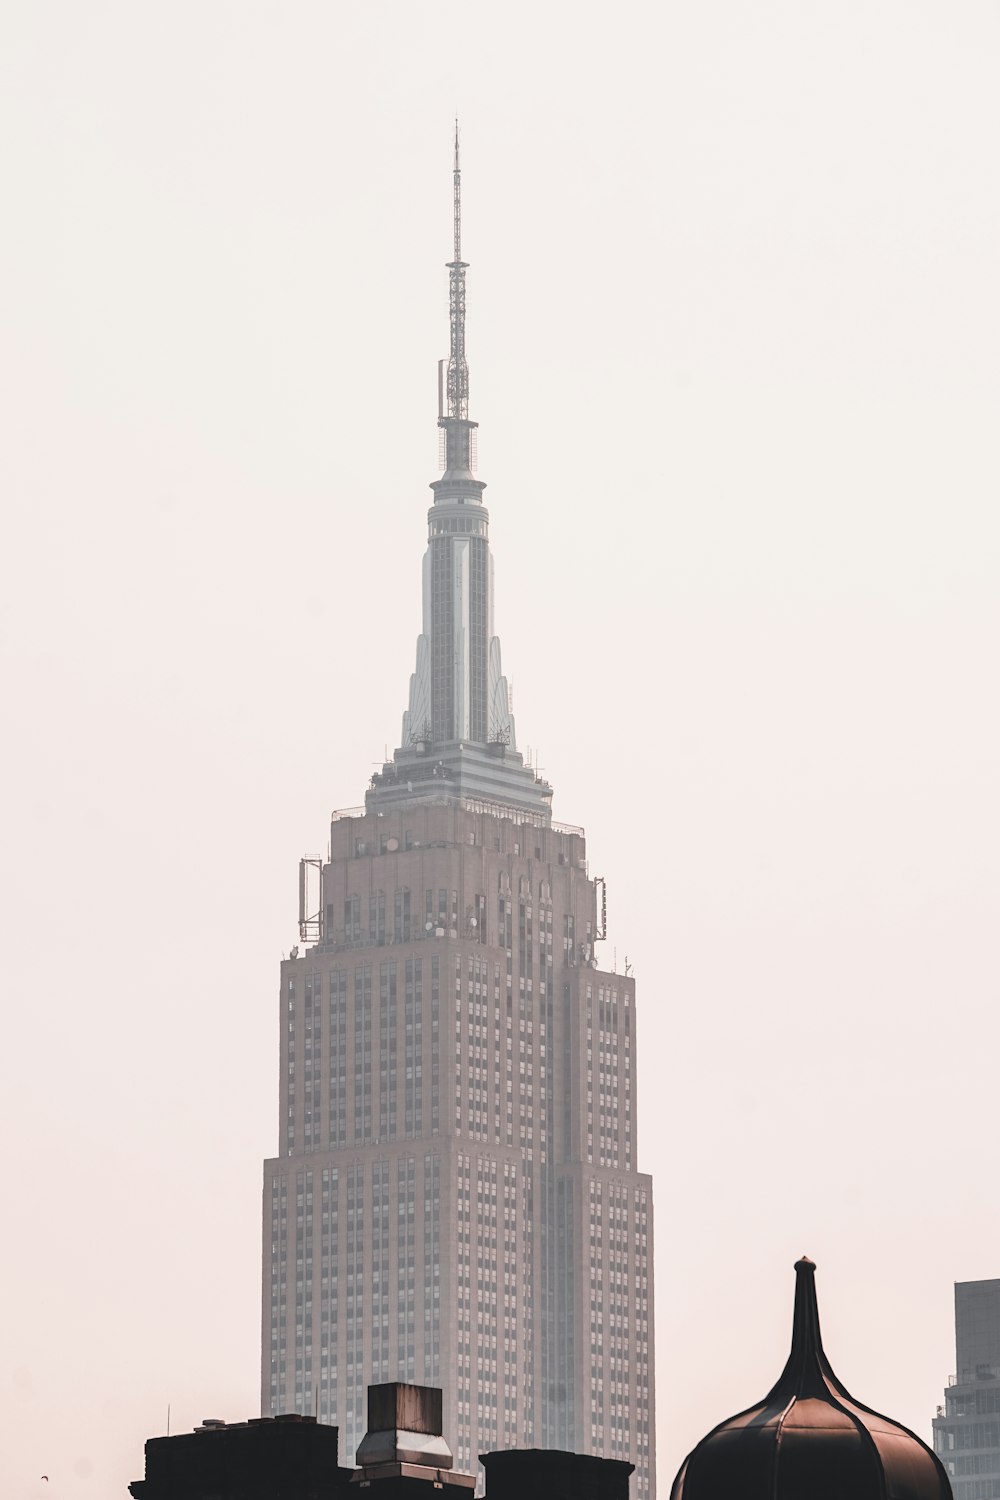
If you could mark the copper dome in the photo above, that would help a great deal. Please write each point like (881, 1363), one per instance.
(809, 1439)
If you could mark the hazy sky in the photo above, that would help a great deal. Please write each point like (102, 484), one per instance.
(734, 326)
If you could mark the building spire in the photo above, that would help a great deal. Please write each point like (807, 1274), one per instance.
(458, 369)
(458, 739)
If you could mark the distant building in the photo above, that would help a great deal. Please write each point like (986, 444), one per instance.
(967, 1426)
(809, 1439)
(403, 1456)
(456, 1197)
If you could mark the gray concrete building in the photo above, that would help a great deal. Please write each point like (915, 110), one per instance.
(967, 1425)
(456, 1198)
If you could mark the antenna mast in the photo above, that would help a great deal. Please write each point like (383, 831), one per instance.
(458, 370)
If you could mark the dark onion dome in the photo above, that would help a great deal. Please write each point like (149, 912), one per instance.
(809, 1439)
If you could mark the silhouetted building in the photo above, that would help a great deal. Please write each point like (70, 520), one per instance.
(403, 1456)
(809, 1439)
(456, 1200)
(967, 1426)
(546, 1474)
(291, 1457)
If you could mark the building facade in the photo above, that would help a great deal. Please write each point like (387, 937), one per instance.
(967, 1426)
(456, 1199)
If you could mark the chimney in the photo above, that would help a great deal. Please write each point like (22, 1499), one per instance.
(404, 1439)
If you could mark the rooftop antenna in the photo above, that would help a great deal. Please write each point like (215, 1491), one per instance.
(458, 369)
(457, 434)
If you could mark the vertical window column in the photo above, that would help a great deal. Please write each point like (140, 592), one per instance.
(387, 1052)
(363, 1053)
(406, 1274)
(279, 1292)
(329, 1248)
(432, 1269)
(413, 1004)
(290, 1066)
(312, 1069)
(435, 1047)
(337, 1060)
(381, 1285)
(353, 1403)
(303, 1291)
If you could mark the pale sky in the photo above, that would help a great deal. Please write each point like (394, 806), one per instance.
(734, 324)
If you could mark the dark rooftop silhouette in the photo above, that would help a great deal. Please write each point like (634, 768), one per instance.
(403, 1456)
(550, 1474)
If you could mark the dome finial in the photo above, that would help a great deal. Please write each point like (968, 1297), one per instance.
(805, 1360)
(806, 1366)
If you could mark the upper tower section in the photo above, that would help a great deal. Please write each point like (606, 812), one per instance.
(458, 740)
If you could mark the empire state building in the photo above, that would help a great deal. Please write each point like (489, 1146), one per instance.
(456, 1198)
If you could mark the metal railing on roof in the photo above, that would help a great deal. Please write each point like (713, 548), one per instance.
(573, 828)
(477, 805)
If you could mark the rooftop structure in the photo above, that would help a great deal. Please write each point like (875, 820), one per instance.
(543, 1474)
(809, 1439)
(293, 1456)
(403, 1456)
(405, 1441)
